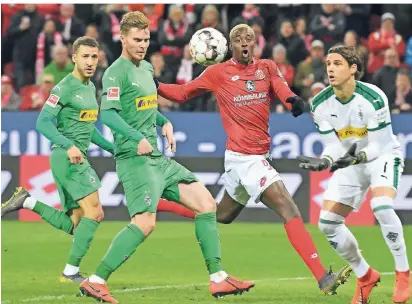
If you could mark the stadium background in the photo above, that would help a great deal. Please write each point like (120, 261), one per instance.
(36, 54)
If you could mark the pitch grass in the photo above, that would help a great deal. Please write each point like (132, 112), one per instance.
(168, 267)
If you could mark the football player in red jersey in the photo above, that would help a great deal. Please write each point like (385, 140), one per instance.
(244, 88)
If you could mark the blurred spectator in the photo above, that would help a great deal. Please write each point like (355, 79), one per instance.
(47, 39)
(163, 75)
(249, 11)
(385, 77)
(262, 49)
(382, 40)
(295, 46)
(315, 90)
(352, 39)
(403, 100)
(7, 12)
(408, 55)
(279, 56)
(91, 31)
(403, 13)
(35, 96)
(154, 16)
(69, 25)
(357, 17)
(109, 26)
(102, 65)
(328, 26)
(210, 18)
(10, 100)
(61, 64)
(301, 30)
(312, 70)
(173, 35)
(48, 10)
(24, 28)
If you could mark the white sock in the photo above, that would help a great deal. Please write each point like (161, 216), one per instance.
(95, 279)
(342, 240)
(70, 270)
(392, 231)
(29, 203)
(218, 277)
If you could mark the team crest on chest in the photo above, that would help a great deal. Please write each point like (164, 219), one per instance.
(259, 75)
(250, 85)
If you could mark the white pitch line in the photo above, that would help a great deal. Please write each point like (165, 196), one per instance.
(53, 298)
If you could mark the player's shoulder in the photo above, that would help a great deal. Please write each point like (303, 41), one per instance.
(319, 99)
(371, 94)
(63, 86)
(146, 65)
(117, 68)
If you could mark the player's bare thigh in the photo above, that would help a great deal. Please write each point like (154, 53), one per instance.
(277, 198)
(228, 209)
(337, 208)
(196, 197)
(146, 222)
(76, 215)
(91, 206)
(383, 191)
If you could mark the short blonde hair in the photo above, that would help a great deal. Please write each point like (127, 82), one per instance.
(237, 27)
(133, 19)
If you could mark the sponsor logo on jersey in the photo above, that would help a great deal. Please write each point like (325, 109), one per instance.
(249, 99)
(146, 102)
(250, 85)
(88, 115)
(52, 100)
(350, 132)
(236, 77)
(113, 93)
(259, 75)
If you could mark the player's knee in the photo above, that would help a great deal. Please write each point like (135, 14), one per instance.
(94, 212)
(223, 218)
(330, 223)
(207, 205)
(146, 222)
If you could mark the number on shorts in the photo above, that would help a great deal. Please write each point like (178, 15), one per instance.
(384, 168)
(266, 164)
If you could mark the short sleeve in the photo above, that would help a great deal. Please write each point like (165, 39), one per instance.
(56, 100)
(321, 123)
(112, 90)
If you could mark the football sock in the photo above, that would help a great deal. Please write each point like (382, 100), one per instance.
(173, 207)
(207, 235)
(302, 242)
(342, 240)
(218, 277)
(392, 231)
(123, 246)
(70, 270)
(54, 217)
(82, 238)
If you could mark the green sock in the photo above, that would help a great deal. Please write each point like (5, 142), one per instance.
(123, 246)
(207, 235)
(82, 238)
(54, 217)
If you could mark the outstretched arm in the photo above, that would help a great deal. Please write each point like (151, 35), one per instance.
(113, 120)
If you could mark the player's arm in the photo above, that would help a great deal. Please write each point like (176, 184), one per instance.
(181, 93)
(101, 141)
(280, 87)
(161, 120)
(44, 123)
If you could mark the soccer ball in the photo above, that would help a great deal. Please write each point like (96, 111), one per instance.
(208, 46)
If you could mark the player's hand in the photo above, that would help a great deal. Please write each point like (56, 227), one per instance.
(144, 147)
(167, 131)
(350, 158)
(75, 156)
(313, 164)
(298, 105)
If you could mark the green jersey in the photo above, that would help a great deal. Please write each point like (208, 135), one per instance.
(132, 92)
(75, 106)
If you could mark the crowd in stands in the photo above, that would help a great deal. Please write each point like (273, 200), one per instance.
(37, 38)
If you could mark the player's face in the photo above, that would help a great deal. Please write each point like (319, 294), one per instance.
(85, 60)
(136, 42)
(338, 69)
(243, 43)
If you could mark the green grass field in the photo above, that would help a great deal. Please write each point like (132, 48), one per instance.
(168, 267)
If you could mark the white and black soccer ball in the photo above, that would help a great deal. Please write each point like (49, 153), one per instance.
(208, 46)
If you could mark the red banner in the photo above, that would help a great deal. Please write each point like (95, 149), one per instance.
(318, 185)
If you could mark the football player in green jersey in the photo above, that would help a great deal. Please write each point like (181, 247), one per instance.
(129, 109)
(73, 104)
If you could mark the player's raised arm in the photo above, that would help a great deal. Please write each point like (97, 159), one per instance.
(280, 87)
(181, 93)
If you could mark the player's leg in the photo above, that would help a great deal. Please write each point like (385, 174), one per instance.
(168, 206)
(386, 172)
(228, 209)
(143, 187)
(346, 191)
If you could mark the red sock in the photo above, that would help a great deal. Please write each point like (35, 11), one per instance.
(173, 207)
(301, 240)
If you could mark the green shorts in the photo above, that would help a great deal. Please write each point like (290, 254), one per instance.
(146, 179)
(73, 182)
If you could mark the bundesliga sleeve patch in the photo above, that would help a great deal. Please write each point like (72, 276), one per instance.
(113, 93)
(52, 100)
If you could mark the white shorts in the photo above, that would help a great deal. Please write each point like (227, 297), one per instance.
(350, 185)
(247, 176)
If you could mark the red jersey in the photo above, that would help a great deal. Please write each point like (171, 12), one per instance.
(243, 94)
